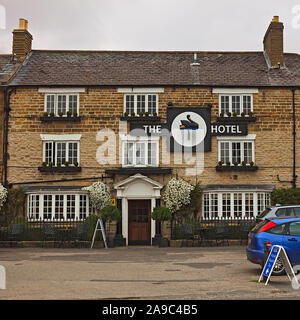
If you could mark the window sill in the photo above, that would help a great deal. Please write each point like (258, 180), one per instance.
(236, 168)
(60, 169)
(236, 119)
(55, 118)
(141, 119)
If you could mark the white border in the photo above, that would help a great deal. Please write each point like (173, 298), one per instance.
(234, 90)
(61, 90)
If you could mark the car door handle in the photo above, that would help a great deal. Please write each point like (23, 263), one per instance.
(292, 239)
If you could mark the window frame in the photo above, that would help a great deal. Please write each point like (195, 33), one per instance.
(135, 102)
(56, 102)
(54, 151)
(215, 198)
(52, 202)
(241, 97)
(231, 141)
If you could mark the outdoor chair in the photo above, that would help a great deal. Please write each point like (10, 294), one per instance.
(245, 228)
(81, 234)
(187, 232)
(221, 235)
(49, 233)
(17, 232)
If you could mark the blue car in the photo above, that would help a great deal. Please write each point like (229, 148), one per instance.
(275, 231)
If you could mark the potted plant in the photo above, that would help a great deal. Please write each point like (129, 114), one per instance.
(132, 114)
(58, 164)
(60, 114)
(220, 163)
(141, 114)
(50, 164)
(228, 163)
(244, 163)
(243, 114)
(76, 164)
(234, 114)
(110, 214)
(235, 163)
(154, 114)
(126, 114)
(251, 164)
(66, 164)
(250, 114)
(146, 114)
(228, 114)
(69, 114)
(44, 164)
(45, 114)
(75, 114)
(222, 114)
(161, 214)
(52, 114)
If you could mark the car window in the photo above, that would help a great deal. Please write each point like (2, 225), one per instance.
(281, 212)
(280, 229)
(264, 213)
(297, 211)
(295, 229)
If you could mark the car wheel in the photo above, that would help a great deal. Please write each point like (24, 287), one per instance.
(278, 269)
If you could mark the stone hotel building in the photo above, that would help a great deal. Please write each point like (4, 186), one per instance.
(71, 118)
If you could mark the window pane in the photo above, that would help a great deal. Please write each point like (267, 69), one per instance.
(236, 152)
(71, 206)
(224, 104)
(152, 104)
(47, 212)
(213, 205)
(73, 103)
(236, 104)
(128, 153)
(297, 211)
(152, 156)
(226, 209)
(130, 104)
(59, 207)
(48, 152)
(61, 153)
(295, 229)
(73, 152)
(141, 103)
(247, 104)
(140, 154)
(248, 152)
(224, 149)
(34, 207)
(61, 104)
(82, 206)
(260, 203)
(238, 205)
(249, 213)
(206, 206)
(50, 108)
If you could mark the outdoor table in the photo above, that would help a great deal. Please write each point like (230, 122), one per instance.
(64, 236)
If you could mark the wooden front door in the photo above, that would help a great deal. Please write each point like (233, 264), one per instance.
(139, 222)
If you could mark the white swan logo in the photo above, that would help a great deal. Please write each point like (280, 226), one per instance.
(188, 129)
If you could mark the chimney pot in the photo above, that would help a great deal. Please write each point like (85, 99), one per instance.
(23, 24)
(275, 19)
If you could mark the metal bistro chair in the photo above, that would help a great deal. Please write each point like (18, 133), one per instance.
(187, 231)
(220, 234)
(245, 228)
(81, 234)
(49, 233)
(17, 232)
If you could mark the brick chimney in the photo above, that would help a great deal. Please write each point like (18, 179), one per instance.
(22, 40)
(273, 43)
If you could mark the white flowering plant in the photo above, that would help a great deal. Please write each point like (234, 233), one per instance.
(177, 194)
(3, 195)
(99, 194)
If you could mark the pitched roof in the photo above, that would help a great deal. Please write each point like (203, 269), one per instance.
(7, 67)
(145, 68)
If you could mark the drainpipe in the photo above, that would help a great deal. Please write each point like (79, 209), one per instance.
(7, 93)
(294, 141)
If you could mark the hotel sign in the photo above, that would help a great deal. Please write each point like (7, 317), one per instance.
(189, 128)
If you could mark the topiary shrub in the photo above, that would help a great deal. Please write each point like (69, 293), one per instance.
(161, 214)
(110, 213)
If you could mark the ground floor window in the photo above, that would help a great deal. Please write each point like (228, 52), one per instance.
(58, 207)
(234, 205)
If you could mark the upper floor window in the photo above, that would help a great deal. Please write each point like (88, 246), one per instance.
(236, 150)
(141, 103)
(140, 152)
(62, 104)
(236, 104)
(61, 150)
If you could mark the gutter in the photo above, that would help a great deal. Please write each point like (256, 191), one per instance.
(294, 141)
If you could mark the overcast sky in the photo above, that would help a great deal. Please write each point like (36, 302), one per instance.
(225, 25)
